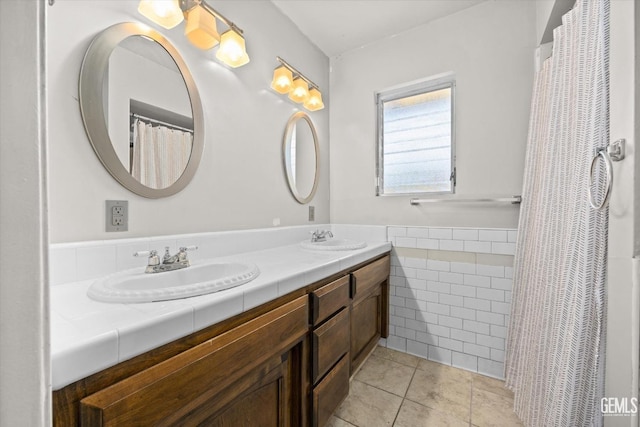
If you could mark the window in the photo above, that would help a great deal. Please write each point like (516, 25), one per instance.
(415, 138)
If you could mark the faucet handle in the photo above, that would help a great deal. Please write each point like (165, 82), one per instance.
(146, 253)
(152, 254)
(182, 255)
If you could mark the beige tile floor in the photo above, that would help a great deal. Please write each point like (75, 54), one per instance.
(398, 389)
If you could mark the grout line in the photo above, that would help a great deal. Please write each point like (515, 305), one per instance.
(405, 395)
(471, 403)
(341, 419)
(410, 381)
(405, 398)
(376, 387)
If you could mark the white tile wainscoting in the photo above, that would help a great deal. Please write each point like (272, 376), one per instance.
(450, 295)
(450, 288)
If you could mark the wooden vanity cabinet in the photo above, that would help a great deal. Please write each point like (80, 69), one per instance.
(369, 309)
(285, 363)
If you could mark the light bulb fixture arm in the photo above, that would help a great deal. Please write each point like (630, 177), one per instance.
(297, 73)
(187, 5)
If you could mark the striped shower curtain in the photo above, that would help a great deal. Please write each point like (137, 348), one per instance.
(556, 338)
(160, 154)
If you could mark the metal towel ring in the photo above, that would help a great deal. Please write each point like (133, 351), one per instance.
(607, 161)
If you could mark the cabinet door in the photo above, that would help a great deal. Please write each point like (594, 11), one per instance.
(369, 309)
(366, 326)
(214, 377)
(258, 401)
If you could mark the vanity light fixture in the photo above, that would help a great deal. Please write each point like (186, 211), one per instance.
(288, 80)
(314, 102)
(232, 50)
(200, 28)
(300, 90)
(166, 13)
(282, 80)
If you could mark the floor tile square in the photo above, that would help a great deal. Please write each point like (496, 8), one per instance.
(397, 356)
(386, 374)
(491, 409)
(368, 406)
(337, 422)
(492, 385)
(440, 370)
(442, 389)
(415, 415)
(400, 390)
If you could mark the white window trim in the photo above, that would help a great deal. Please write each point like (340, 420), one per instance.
(433, 83)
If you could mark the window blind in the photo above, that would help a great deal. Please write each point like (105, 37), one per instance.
(416, 142)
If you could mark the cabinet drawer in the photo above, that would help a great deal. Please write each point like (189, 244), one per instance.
(370, 276)
(329, 299)
(331, 391)
(330, 343)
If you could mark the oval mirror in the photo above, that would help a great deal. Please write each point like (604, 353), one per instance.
(141, 110)
(301, 156)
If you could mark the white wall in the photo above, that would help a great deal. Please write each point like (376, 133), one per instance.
(544, 9)
(490, 48)
(623, 289)
(549, 16)
(240, 182)
(25, 394)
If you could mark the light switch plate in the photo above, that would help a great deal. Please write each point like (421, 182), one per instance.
(116, 215)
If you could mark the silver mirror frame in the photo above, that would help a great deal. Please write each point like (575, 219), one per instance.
(286, 142)
(92, 74)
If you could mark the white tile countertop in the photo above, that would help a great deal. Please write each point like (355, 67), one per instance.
(88, 336)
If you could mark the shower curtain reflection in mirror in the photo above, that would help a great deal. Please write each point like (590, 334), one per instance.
(159, 153)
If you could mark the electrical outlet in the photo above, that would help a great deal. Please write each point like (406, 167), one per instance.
(117, 215)
(312, 213)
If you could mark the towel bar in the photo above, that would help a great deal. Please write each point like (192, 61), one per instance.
(515, 200)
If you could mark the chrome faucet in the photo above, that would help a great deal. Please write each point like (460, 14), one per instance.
(320, 235)
(169, 262)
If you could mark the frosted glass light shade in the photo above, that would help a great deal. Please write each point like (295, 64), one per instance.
(232, 50)
(201, 28)
(314, 102)
(300, 90)
(166, 13)
(282, 80)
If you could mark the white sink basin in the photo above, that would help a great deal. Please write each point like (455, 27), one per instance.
(334, 245)
(199, 279)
